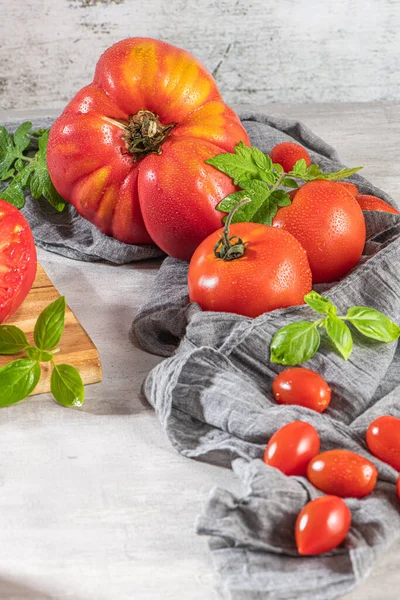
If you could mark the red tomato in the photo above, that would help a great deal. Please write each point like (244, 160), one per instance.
(350, 187)
(287, 154)
(368, 202)
(322, 525)
(128, 151)
(342, 473)
(383, 440)
(303, 387)
(329, 224)
(272, 273)
(292, 447)
(398, 488)
(17, 259)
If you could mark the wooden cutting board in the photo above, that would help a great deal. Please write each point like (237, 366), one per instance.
(76, 347)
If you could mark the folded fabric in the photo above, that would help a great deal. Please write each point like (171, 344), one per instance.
(213, 395)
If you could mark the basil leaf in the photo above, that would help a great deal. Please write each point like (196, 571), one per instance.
(340, 335)
(66, 385)
(295, 343)
(39, 355)
(12, 339)
(320, 304)
(18, 379)
(373, 324)
(50, 325)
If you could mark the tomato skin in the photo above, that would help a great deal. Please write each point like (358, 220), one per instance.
(272, 273)
(322, 525)
(329, 224)
(350, 187)
(342, 473)
(398, 488)
(287, 154)
(91, 167)
(302, 387)
(17, 259)
(292, 447)
(368, 202)
(383, 440)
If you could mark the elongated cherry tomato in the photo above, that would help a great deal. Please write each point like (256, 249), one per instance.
(383, 440)
(368, 202)
(17, 259)
(303, 387)
(342, 473)
(292, 447)
(350, 187)
(322, 525)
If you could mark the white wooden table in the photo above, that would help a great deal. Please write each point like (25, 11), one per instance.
(94, 502)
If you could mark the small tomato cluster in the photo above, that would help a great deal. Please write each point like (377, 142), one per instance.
(294, 449)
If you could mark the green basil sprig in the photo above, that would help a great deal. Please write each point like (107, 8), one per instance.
(260, 178)
(297, 342)
(23, 166)
(19, 378)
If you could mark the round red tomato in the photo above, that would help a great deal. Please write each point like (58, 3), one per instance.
(350, 187)
(287, 154)
(383, 440)
(292, 447)
(273, 272)
(368, 202)
(17, 259)
(129, 149)
(329, 224)
(322, 525)
(303, 387)
(342, 473)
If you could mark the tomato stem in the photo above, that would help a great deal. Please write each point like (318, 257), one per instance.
(230, 247)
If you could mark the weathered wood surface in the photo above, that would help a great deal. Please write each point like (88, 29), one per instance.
(76, 347)
(94, 502)
(291, 50)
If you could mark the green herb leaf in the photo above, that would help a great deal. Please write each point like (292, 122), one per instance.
(18, 379)
(12, 339)
(50, 325)
(295, 343)
(237, 166)
(231, 200)
(290, 183)
(299, 168)
(340, 335)
(373, 324)
(320, 304)
(39, 355)
(14, 194)
(21, 137)
(263, 161)
(41, 184)
(342, 174)
(67, 386)
(281, 198)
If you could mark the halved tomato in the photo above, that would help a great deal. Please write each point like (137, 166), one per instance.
(17, 259)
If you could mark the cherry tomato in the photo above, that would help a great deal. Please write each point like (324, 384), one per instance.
(129, 149)
(303, 387)
(368, 202)
(328, 222)
(272, 273)
(292, 447)
(322, 525)
(17, 259)
(342, 473)
(383, 440)
(350, 187)
(287, 154)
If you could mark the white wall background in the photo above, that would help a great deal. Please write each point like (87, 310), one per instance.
(259, 50)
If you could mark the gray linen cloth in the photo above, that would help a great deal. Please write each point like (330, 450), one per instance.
(213, 396)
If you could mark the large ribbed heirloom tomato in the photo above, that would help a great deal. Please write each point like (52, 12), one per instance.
(129, 150)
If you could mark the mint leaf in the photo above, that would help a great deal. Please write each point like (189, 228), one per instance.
(340, 335)
(295, 343)
(50, 325)
(373, 324)
(12, 339)
(67, 386)
(320, 304)
(18, 379)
